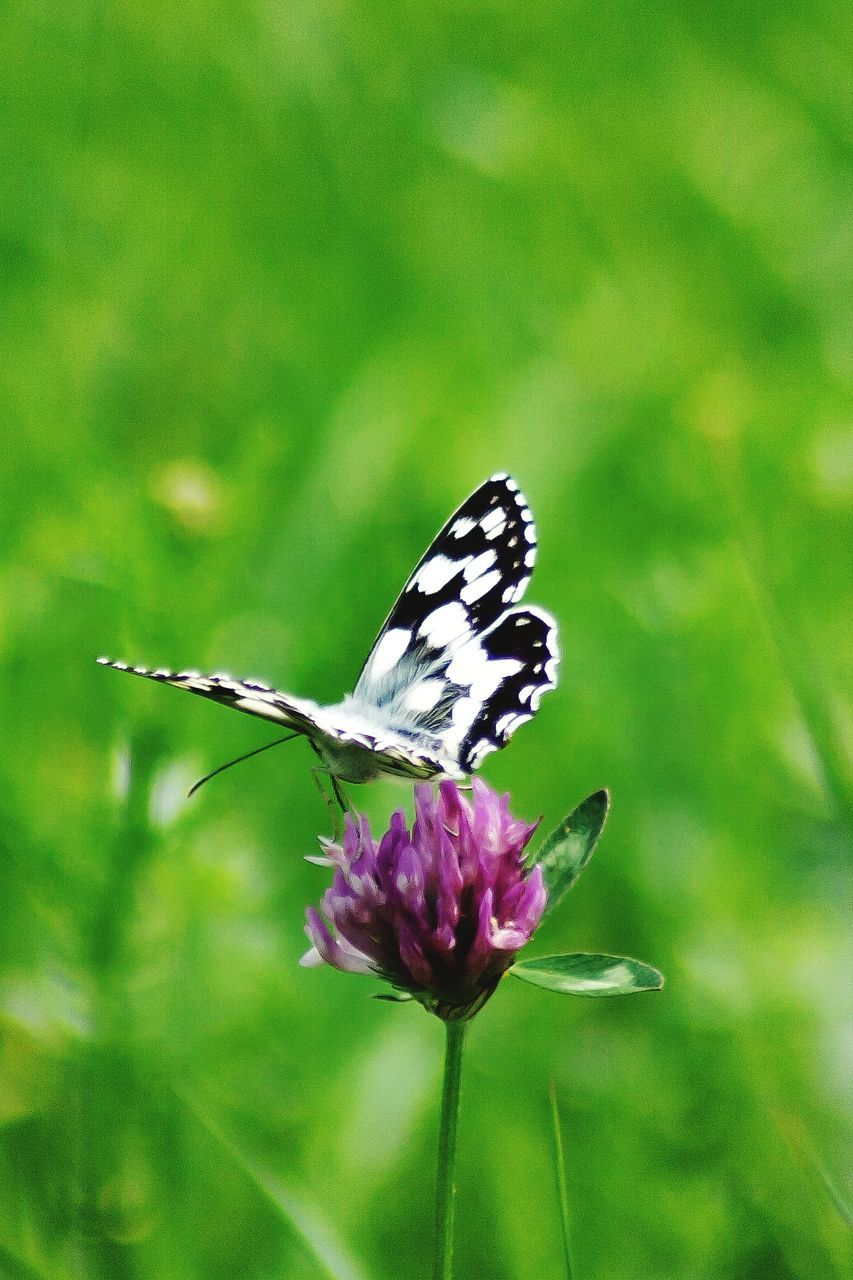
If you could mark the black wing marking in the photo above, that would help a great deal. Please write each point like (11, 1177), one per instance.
(527, 639)
(478, 564)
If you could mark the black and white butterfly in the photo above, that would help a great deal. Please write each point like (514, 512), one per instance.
(456, 668)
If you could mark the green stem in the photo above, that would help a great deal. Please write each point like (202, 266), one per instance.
(445, 1190)
(562, 1189)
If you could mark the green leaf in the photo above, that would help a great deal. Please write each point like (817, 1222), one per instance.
(584, 974)
(570, 846)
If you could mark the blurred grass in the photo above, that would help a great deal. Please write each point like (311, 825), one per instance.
(280, 284)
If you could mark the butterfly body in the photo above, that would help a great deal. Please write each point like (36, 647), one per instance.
(456, 668)
(360, 749)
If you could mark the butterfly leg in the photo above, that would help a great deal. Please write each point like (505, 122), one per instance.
(319, 775)
(344, 803)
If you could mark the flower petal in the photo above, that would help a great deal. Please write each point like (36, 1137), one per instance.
(336, 952)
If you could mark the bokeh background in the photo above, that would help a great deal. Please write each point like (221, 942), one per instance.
(281, 283)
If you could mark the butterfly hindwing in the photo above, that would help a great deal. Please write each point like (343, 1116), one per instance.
(527, 640)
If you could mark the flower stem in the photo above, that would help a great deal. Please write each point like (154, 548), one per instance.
(562, 1189)
(445, 1191)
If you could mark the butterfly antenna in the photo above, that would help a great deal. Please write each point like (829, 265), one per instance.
(257, 751)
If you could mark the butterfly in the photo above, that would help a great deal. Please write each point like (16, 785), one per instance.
(454, 671)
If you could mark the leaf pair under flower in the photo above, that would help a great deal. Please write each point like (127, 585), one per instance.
(562, 858)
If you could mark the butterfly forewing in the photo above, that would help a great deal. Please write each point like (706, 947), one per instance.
(477, 565)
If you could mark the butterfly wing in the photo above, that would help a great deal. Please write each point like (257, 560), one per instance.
(521, 648)
(479, 563)
(251, 696)
(454, 663)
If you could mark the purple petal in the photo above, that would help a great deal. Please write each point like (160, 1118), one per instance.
(507, 938)
(330, 949)
(443, 939)
(413, 957)
(449, 889)
(406, 893)
(395, 838)
(318, 933)
(481, 946)
(532, 902)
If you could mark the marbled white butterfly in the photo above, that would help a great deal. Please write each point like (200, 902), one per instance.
(454, 671)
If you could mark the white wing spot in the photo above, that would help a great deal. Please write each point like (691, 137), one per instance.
(265, 709)
(509, 722)
(436, 573)
(473, 667)
(424, 696)
(479, 565)
(258, 695)
(480, 752)
(480, 586)
(462, 526)
(445, 624)
(465, 712)
(530, 532)
(389, 651)
(497, 516)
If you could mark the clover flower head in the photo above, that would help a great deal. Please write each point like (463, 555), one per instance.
(440, 910)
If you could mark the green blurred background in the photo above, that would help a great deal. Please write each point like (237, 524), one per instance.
(281, 283)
